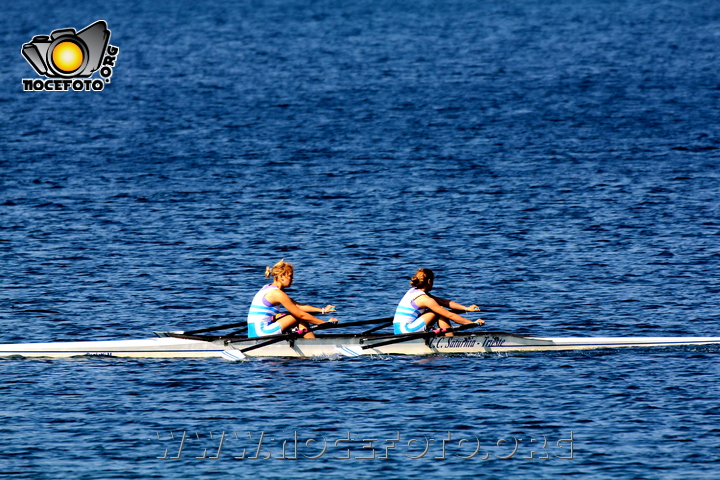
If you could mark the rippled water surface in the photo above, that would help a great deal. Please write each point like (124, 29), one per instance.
(555, 162)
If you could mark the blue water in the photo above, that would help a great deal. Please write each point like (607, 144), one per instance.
(555, 162)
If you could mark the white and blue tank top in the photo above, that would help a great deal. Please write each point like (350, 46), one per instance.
(407, 315)
(261, 317)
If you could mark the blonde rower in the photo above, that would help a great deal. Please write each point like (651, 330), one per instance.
(264, 317)
(418, 310)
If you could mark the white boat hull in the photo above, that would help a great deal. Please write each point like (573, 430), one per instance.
(330, 345)
(145, 348)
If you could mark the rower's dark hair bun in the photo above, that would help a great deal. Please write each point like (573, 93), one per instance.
(422, 278)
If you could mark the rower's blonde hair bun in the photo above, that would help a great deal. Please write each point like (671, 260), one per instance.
(280, 268)
(422, 278)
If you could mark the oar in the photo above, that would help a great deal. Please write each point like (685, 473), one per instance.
(364, 322)
(271, 339)
(236, 332)
(220, 327)
(244, 324)
(330, 325)
(379, 327)
(285, 336)
(411, 336)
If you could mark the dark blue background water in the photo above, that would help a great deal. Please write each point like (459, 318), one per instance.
(556, 162)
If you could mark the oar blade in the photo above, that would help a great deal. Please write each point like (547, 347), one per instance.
(233, 355)
(349, 350)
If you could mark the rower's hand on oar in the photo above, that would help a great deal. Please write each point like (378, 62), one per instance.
(473, 308)
(480, 321)
(333, 320)
(328, 309)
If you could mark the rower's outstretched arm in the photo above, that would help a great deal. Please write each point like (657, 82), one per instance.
(452, 304)
(311, 309)
(431, 302)
(294, 309)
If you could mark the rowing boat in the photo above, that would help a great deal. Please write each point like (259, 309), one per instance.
(180, 345)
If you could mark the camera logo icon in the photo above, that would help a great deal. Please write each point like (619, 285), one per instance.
(67, 59)
(66, 53)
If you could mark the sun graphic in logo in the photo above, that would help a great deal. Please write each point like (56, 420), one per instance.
(67, 56)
